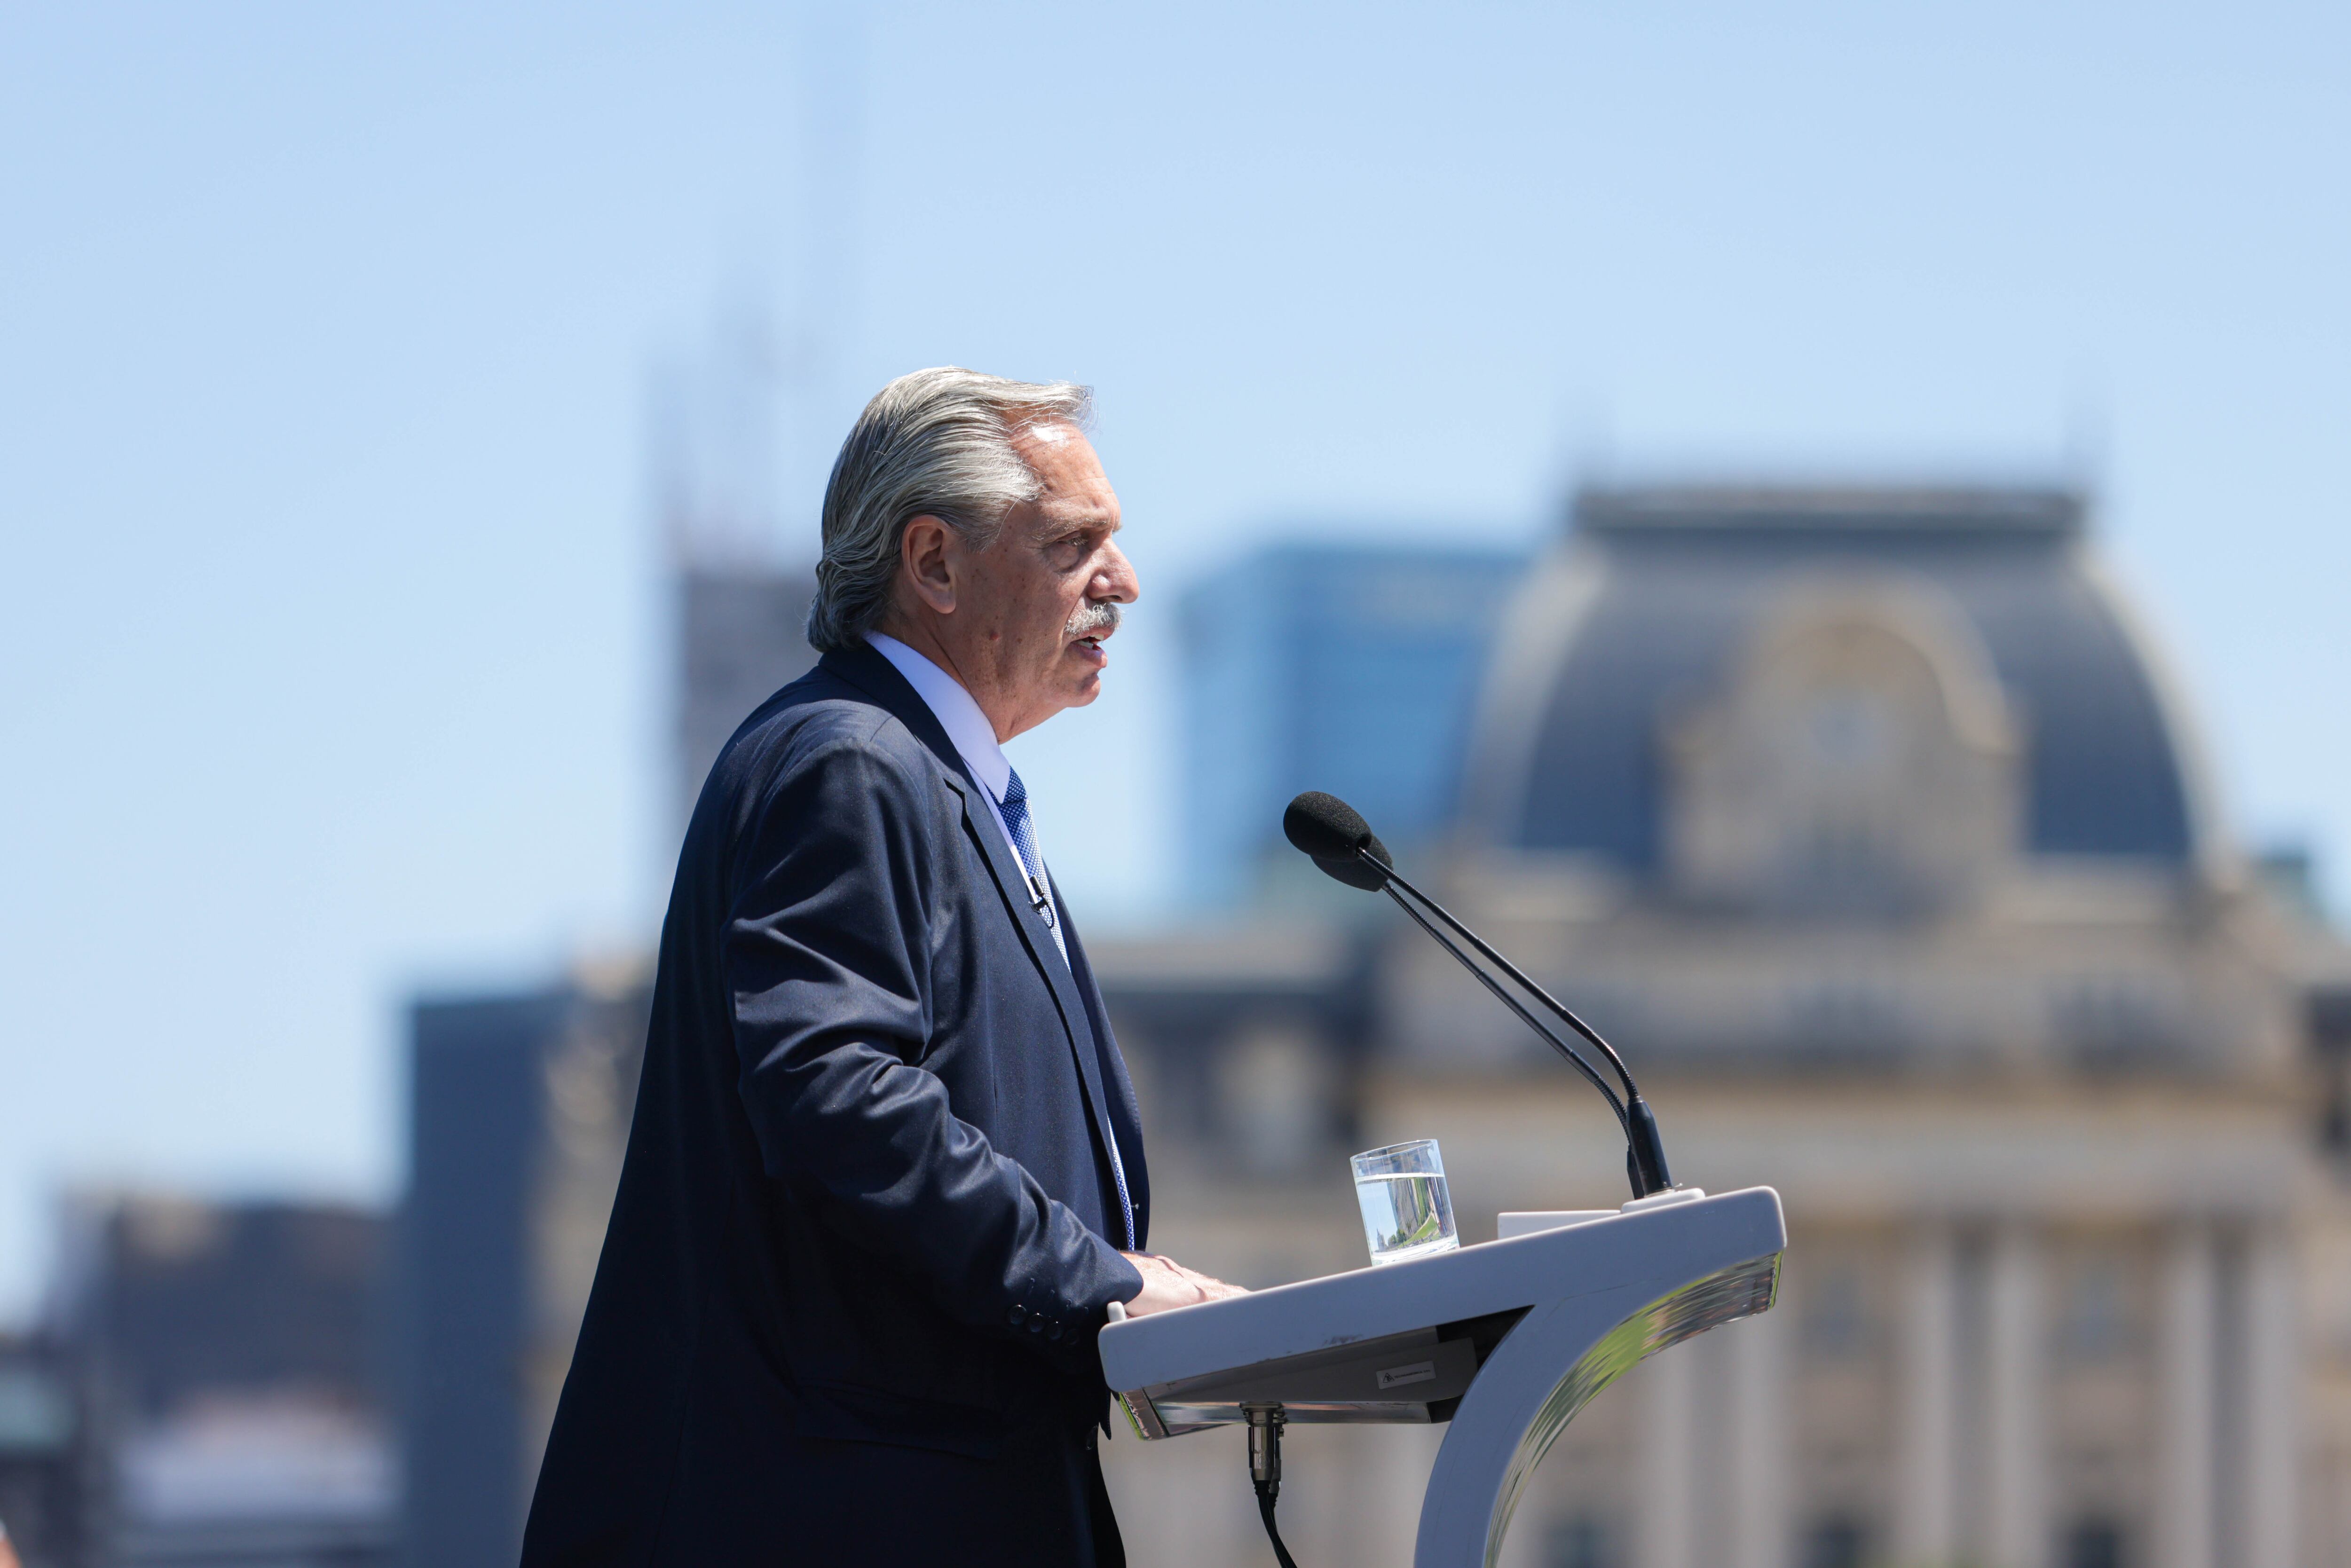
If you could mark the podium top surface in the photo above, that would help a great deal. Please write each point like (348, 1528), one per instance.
(1654, 1248)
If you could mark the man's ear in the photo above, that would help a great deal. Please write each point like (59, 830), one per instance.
(930, 552)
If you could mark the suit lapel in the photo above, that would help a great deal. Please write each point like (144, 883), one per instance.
(980, 824)
(872, 673)
(1124, 1114)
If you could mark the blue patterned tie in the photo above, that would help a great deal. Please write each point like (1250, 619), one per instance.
(1024, 844)
(1032, 867)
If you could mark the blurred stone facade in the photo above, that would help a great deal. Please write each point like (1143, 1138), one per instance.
(1868, 826)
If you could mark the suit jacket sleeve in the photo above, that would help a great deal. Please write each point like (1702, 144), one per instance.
(827, 956)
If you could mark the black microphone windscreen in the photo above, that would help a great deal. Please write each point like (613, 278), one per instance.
(1325, 827)
(1354, 872)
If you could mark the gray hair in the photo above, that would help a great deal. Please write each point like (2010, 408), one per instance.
(936, 442)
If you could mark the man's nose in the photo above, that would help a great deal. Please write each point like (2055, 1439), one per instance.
(1115, 578)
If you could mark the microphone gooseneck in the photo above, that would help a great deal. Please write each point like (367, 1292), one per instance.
(1337, 839)
(1494, 988)
(1556, 1007)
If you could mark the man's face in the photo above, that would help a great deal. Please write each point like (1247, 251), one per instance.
(1044, 593)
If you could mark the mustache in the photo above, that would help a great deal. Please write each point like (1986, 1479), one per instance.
(1093, 618)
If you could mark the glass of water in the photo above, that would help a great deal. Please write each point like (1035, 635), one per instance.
(1406, 1211)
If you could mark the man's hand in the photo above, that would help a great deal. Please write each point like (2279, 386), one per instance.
(1167, 1283)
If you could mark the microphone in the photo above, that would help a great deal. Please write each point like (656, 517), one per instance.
(1334, 835)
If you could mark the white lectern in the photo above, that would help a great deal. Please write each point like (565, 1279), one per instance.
(1506, 1340)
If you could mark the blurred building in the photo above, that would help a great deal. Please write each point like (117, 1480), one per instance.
(740, 636)
(228, 1387)
(519, 1100)
(1867, 823)
(1350, 669)
(737, 611)
(40, 1472)
(518, 1108)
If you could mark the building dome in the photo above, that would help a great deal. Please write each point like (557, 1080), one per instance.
(1842, 694)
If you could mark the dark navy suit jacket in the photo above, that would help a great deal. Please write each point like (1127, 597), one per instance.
(866, 1230)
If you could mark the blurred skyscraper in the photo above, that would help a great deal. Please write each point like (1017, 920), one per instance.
(1347, 668)
(518, 1105)
(738, 610)
(521, 1101)
(739, 637)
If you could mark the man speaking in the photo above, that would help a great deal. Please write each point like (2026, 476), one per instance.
(886, 1173)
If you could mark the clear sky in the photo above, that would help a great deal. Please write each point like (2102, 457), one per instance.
(330, 613)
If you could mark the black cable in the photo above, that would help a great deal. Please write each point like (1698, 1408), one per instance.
(1265, 1424)
(1513, 1003)
(1266, 1493)
(1548, 1000)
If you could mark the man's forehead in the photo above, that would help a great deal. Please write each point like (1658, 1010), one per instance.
(1056, 449)
(1049, 432)
(1075, 487)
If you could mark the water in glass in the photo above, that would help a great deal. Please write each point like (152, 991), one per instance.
(1407, 1213)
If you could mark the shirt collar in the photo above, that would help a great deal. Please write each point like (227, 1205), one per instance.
(957, 713)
